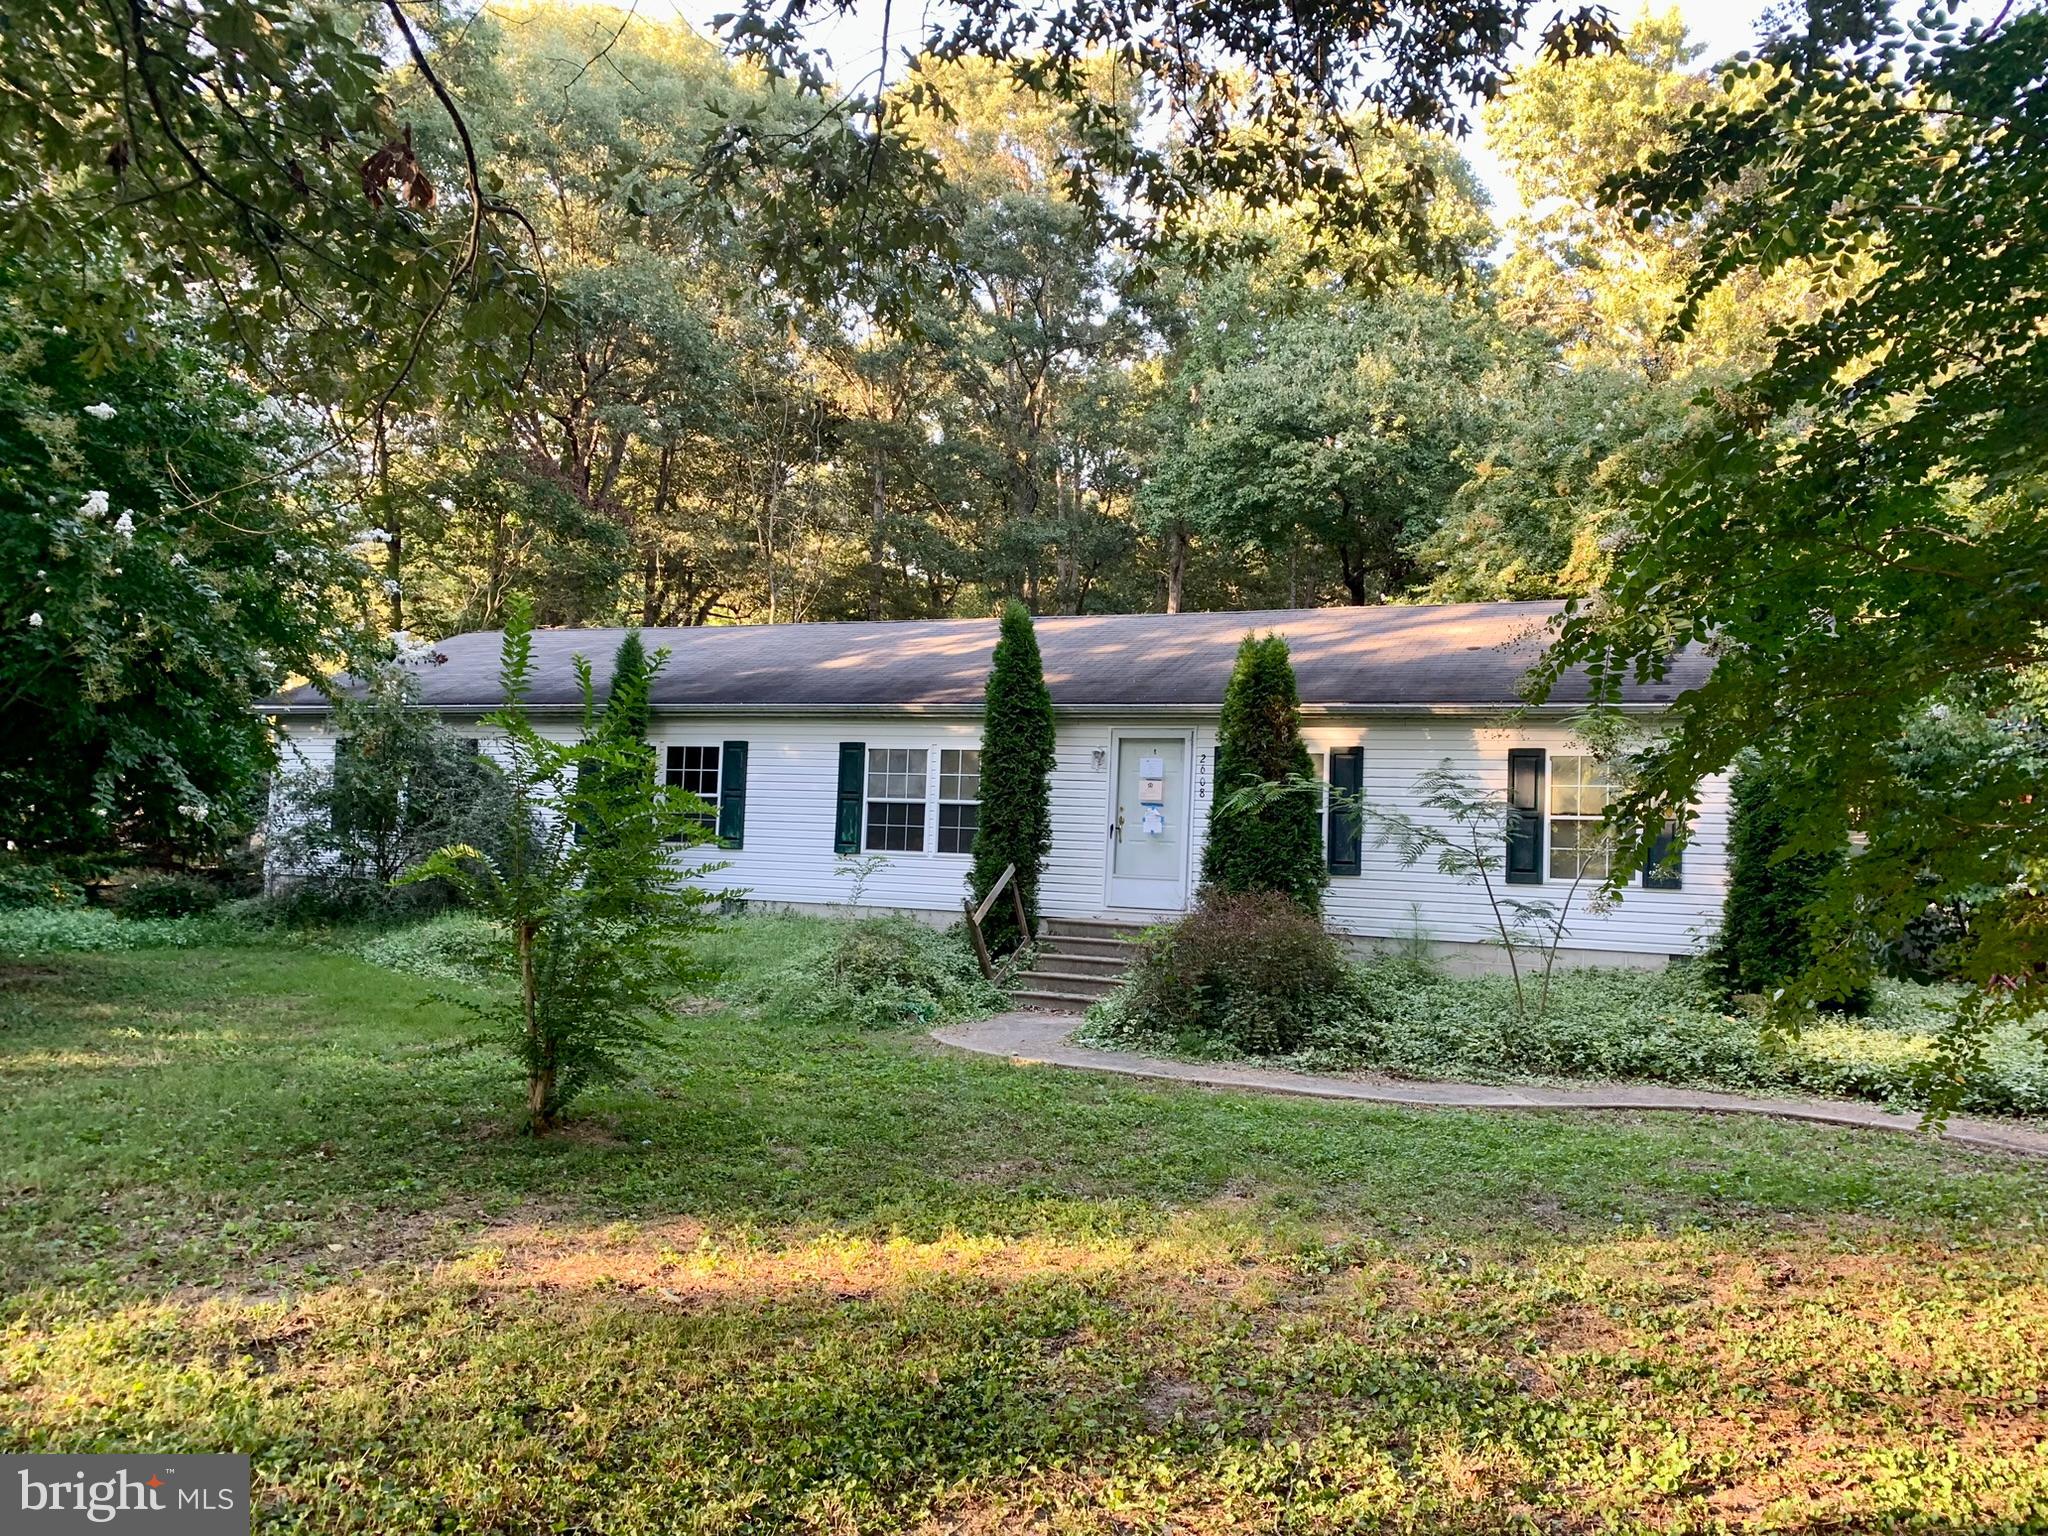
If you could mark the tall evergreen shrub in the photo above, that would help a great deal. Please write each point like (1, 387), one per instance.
(1265, 829)
(1016, 774)
(1768, 940)
(622, 725)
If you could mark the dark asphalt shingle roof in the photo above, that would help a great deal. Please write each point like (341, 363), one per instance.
(1465, 654)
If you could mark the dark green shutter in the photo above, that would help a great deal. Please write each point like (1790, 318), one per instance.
(853, 768)
(1525, 816)
(732, 795)
(1347, 821)
(1658, 875)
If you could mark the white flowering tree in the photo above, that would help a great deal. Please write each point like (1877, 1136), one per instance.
(158, 576)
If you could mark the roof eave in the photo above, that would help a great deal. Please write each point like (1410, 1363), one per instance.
(561, 711)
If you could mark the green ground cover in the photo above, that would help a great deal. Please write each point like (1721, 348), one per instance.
(1669, 1026)
(807, 1275)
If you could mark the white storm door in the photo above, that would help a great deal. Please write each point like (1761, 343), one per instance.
(1148, 827)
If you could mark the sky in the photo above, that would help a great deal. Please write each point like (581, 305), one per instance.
(853, 42)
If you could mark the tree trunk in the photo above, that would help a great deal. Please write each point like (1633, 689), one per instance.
(1176, 565)
(650, 563)
(394, 548)
(1354, 575)
(879, 508)
(540, 1069)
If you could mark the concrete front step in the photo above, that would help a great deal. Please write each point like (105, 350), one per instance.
(1047, 1001)
(1094, 962)
(1089, 928)
(1078, 961)
(1051, 978)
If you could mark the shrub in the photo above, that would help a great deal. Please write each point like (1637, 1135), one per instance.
(1265, 819)
(1015, 824)
(1668, 1026)
(457, 947)
(1775, 882)
(400, 787)
(94, 930)
(170, 896)
(1246, 972)
(873, 973)
(593, 911)
(25, 884)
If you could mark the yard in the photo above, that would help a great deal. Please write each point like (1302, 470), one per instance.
(264, 1197)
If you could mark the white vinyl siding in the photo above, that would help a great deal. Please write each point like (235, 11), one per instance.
(792, 785)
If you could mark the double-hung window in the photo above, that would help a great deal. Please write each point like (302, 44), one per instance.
(1579, 840)
(959, 798)
(694, 770)
(898, 781)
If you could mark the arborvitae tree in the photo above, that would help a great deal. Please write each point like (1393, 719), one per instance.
(1016, 774)
(1767, 938)
(626, 710)
(622, 726)
(1264, 822)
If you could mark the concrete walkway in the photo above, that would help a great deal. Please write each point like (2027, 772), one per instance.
(1041, 1039)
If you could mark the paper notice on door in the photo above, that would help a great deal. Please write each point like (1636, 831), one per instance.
(1153, 822)
(1151, 767)
(1153, 790)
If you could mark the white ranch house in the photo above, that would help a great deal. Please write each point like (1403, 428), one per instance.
(820, 741)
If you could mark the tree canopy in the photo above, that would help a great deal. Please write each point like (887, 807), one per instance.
(1860, 529)
(399, 315)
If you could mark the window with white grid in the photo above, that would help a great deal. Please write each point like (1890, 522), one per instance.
(897, 788)
(1579, 844)
(959, 798)
(694, 770)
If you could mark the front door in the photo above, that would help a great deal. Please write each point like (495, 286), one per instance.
(1148, 830)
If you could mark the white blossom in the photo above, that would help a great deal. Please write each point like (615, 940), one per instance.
(410, 652)
(446, 504)
(193, 812)
(372, 536)
(124, 525)
(100, 411)
(390, 587)
(35, 621)
(96, 504)
(178, 560)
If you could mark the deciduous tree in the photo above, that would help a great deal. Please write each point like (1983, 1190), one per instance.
(1864, 524)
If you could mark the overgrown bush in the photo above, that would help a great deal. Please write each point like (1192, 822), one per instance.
(870, 973)
(1247, 972)
(95, 930)
(1777, 881)
(401, 786)
(26, 884)
(457, 947)
(169, 895)
(1668, 1026)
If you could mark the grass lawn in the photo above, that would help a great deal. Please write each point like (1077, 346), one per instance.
(797, 1277)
